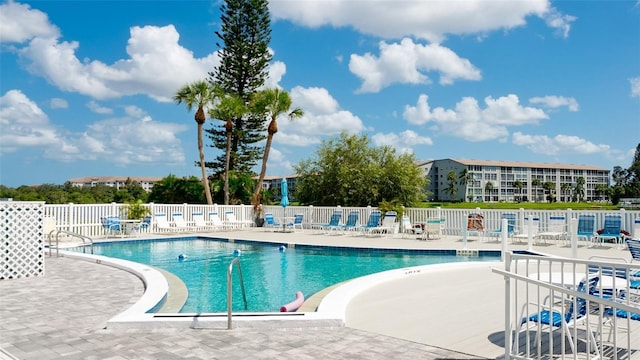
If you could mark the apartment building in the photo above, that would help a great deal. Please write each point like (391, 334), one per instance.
(494, 181)
(145, 182)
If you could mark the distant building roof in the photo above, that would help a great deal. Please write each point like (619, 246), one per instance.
(88, 179)
(522, 164)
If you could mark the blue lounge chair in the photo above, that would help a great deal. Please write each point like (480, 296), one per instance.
(351, 224)
(586, 228)
(270, 222)
(373, 223)
(334, 222)
(611, 230)
(111, 224)
(297, 222)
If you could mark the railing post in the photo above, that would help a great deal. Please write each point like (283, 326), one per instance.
(507, 304)
(504, 232)
(573, 231)
(530, 233)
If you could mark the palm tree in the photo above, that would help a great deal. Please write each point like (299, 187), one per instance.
(488, 187)
(229, 107)
(548, 187)
(536, 183)
(451, 189)
(579, 189)
(465, 177)
(199, 94)
(566, 188)
(518, 185)
(273, 103)
(601, 189)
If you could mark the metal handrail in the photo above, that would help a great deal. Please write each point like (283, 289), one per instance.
(229, 290)
(71, 233)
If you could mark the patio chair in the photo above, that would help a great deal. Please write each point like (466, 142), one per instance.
(180, 223)
(350, 225)
(635, 229)
(634, 248)
(586, 228)
(297, 223)
(333, 223)
(611, 230)
(216, 222)
(552, 315)
(144, 226)
(270, 222)
(475, 225)
(230, 219)
(200, 223)
(511, 225)
(408, 228)
(556, 228)
(111, 225)
(535, 227)
(373, 222)
(162, 223)
(432, 229)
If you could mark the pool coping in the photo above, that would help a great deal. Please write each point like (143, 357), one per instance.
(330, 312)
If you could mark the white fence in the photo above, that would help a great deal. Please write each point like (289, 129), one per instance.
(598, 319)
(85, 219)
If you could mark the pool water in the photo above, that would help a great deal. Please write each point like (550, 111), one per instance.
(272, 275)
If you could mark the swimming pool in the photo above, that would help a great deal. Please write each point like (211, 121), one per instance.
(271, 275)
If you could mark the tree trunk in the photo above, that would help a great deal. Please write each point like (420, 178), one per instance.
(205, 180)
(263, 170)
(226, 169)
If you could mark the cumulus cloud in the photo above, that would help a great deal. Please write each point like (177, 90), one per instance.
(122, 140)
(408, 62)
(468, 120)
(403, 142)
(20, 23)
(322, 117)
(556, 102)
(430, 20)
(635, 86)
(559, 144)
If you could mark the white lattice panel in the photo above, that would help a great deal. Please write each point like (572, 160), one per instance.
(22, 247)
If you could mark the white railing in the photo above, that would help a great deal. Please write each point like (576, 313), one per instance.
(85, 218)
(534, 284)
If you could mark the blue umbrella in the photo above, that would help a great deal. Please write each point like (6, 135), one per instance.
(284, 201)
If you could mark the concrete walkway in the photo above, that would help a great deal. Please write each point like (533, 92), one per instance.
(454, 314)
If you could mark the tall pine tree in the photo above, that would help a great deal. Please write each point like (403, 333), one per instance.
(244, 59)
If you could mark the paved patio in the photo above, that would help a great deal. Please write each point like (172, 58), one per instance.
(63, 314)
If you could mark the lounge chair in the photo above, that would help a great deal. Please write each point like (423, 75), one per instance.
(180, 223)
(408, 228)
(350, 226)
(552, 315)
(216, 222)
(511, 225)
(611, 230)
(270, 222)
(297, 222)
(586, 228)
(635, 229)
(162, 224)
(432, 229)
(475, 225)
(556, 228)
(230, 219)
(373, 223)
(200, 223)
(634, 248)
(144, 226)
(524, 234)
(333, 223)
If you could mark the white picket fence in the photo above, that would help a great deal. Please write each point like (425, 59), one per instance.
(85, 218)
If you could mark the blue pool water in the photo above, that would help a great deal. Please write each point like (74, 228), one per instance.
(271, 276)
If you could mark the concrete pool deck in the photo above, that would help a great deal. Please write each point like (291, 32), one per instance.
(63, 314)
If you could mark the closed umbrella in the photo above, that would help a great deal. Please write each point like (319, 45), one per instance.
(284, 201)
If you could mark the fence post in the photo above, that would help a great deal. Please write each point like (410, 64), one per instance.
(529, 233)
(504, 232)
(573, 228)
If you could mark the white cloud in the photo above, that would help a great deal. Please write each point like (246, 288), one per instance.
(559, 144)
(556, 102)
(403, 141)
(322, 117)
(20, 23)
(57, 103)
(96, 108)
(122, 140)
(635, 86)
(471, 122)
(430, 20)
(408, 62)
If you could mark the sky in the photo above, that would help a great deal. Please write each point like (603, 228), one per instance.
(86, 86)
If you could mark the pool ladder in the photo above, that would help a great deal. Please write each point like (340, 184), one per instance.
(230, 288)
(86, 241)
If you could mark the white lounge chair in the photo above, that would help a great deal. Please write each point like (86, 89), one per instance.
(216, 222)
(230, 220)
(556, 228)
(180, 223)
(408, 228)
(531, 225)
(162, 224)
(200, 223)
